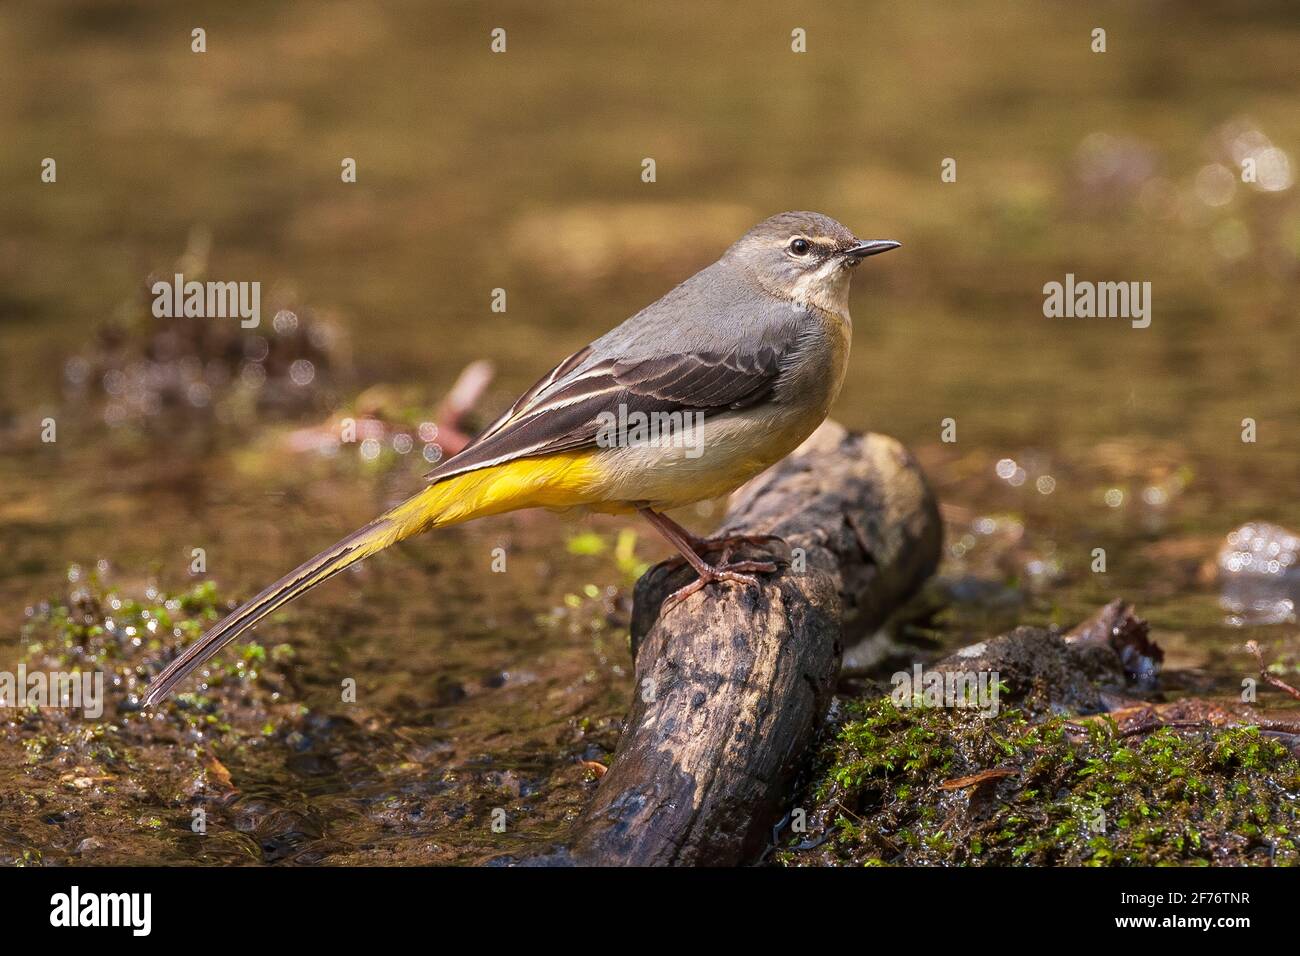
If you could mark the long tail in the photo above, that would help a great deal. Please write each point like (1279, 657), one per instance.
(553, 482)
(363, 542)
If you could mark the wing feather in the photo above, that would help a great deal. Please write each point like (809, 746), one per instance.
(561, 411)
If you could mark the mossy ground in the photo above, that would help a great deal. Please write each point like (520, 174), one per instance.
(110, 786)
(1065, 793)
(268, 777)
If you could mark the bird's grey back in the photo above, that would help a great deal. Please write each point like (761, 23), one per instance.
(718, 309)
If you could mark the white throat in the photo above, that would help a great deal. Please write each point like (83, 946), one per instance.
(827, 289)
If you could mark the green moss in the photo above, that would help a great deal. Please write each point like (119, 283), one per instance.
(126, 758)
(1066, 793)
(99, 626)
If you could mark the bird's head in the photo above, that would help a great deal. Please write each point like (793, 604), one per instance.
(805, 257)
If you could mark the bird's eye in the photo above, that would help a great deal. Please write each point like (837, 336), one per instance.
(799, 247)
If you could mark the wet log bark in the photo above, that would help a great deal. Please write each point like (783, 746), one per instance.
(732, 684)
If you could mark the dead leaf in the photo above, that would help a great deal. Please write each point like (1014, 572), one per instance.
(959, 783)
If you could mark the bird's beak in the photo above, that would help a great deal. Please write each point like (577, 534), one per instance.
(869, 247)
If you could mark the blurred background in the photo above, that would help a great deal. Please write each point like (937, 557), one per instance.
(522, 171)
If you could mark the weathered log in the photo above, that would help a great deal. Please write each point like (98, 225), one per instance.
(732, 684)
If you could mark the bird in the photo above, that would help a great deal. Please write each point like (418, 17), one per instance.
(741, 361)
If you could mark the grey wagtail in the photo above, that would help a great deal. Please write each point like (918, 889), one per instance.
(743, 360)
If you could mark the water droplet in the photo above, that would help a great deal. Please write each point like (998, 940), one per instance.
(1215, 184)
(302, 372)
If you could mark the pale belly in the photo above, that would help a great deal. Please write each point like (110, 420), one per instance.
(724, 453)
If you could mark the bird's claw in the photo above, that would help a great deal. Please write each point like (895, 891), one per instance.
(733, 573)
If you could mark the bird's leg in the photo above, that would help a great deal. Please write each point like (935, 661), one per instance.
(726, 543)
(706, 573)
(662, 521)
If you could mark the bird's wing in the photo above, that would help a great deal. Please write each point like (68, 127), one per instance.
(561, 412)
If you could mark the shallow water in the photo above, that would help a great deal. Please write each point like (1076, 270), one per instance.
(522, 171)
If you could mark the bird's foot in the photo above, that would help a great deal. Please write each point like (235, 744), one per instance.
(734, 572)
(727, 544)
(770, 543)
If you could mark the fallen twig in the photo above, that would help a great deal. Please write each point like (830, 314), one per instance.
(1265, 676)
